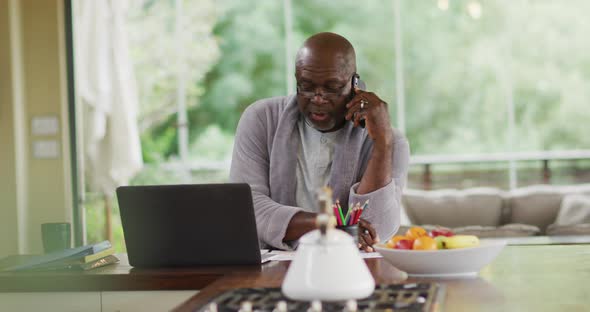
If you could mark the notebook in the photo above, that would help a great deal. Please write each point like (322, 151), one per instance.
(189, 225)
(52, 259)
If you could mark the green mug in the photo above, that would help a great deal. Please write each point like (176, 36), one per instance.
(56, 236)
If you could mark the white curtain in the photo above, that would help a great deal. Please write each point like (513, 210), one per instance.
(108, 95)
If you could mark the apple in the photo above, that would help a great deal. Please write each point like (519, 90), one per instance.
(441, 232)
(404, 244)
(391, 242)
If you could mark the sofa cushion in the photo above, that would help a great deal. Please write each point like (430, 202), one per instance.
(539, 204)
(573, 229)
(583, 189)
(403, 218)
(508, 230)
(453, 208)
(536, 205)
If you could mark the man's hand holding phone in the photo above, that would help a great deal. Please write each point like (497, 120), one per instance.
(369, 107)
(367, 236)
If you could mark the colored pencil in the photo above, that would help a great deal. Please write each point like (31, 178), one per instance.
(366, 204)
(360, 211)
(340, 211)
(335, 208)
(336, 213)
(352, 217)
(347, 217)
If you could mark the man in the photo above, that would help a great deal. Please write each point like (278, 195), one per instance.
(288, 147)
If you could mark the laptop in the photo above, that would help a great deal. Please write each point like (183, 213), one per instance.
(189, 225)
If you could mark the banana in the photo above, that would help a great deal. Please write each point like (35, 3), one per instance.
(439, 242)
(460, 241)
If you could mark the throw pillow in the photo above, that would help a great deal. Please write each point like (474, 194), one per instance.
(573, 217)
(575, 209)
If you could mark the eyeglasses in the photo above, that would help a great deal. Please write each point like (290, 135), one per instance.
(328, 93)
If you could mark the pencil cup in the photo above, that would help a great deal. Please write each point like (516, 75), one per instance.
(352, 230)
(56, 236)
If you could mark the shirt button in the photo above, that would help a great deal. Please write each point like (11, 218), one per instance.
(323, 140)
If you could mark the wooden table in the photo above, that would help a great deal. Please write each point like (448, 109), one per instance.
(522, 278)
(118, 277)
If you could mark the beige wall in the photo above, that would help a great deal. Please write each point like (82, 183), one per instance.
(8, 217)
(32, 191)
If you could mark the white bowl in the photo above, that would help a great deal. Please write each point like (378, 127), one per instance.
(462, 262)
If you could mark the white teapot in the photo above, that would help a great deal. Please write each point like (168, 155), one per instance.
(327, 265)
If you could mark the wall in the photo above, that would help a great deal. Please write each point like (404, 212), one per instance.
(32, 84)
(8, 210)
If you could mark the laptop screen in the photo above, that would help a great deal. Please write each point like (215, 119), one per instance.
(189, 225)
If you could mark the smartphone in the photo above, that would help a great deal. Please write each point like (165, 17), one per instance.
(358, 83)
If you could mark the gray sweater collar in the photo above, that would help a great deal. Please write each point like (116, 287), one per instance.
(283, 158)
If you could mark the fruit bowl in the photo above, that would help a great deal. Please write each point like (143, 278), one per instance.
(461, 262)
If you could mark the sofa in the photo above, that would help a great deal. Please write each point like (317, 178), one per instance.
(491, 212)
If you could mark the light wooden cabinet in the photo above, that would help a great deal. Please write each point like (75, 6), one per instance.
(145, 301)
(107, 301)
(51, 302)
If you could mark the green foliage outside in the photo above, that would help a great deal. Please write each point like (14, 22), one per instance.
(459, 73)
(458, 70)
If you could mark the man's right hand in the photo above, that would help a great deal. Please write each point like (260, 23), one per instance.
(301, 223)
(367, 236)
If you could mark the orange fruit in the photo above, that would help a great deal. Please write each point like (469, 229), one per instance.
(392, 241)
(424, 243)
(416, 232)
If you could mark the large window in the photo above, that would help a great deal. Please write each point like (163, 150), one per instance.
(490, 93)
(491, 77)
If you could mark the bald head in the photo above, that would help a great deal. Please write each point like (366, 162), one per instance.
(324, 50)
(324, 70)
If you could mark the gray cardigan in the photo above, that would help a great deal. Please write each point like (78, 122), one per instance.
(265, 157)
